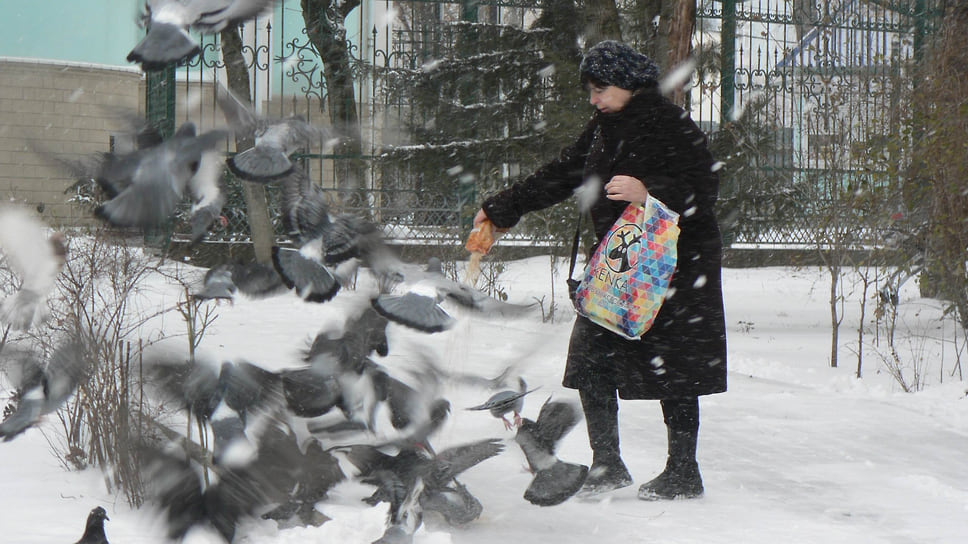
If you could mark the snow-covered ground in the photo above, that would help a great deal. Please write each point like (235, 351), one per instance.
(794, 452)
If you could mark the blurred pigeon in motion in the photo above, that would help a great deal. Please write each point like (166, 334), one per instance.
(254, 279)
(454, 502)
(44, 387)
(312, 281)
(247, 387)
(444, 494)
(554, 480)
(274, 140)
(146, 184)
(169, 21)
(506, 401)
(305, 213)
(339, 373)
(310, 392)
(36, 259)
(241, 489)
(403, 479)
(209, 196)
(231, 442)
(198, 387)
(150, 183)
(94, 529)
(419, 307)
(195, 386)
(319, 471)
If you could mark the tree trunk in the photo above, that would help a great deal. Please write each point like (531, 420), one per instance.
(681, 27)
(257, 209)
(324, 25)
(602, 22)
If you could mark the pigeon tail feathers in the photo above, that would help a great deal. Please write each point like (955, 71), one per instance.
(164, 44)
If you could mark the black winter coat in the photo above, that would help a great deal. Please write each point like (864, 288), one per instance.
(653, 140)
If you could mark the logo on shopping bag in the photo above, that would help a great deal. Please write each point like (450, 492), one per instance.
(617, 255)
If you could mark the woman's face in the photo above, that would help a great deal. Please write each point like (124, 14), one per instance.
(609, 99)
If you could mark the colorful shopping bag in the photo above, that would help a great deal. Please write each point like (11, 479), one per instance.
(628, 276)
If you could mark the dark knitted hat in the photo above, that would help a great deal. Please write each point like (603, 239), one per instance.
(614, 63)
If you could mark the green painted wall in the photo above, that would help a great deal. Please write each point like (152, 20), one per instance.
(97, 31)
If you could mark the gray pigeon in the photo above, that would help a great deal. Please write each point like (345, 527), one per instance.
(169, 21)
(419, 306)
(312, 281)
(150, 183)
(44, 387)
(555, 481)
(94, 529)
(241, 490)
(506, 401)
(36, 259)
(274, 140)
(414, 477)
(254, 279)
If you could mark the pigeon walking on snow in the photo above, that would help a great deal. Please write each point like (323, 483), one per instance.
(94, 529)
(554, 480)
(169, 21)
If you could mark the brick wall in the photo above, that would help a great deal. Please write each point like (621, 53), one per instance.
(66, 109)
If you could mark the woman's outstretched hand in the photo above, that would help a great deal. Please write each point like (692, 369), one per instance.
(480, 218)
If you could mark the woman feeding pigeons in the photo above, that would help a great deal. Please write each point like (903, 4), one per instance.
(638, 144)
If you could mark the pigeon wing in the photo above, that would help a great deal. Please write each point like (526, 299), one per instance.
(311, 280)
(415, 311)
(455, 460)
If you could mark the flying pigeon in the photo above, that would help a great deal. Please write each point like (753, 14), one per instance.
(506, 401)
(36, 259)
(305, 213)
(405, 478)
(319, 471)
(310, 392)
(150, 183)
(209, 196)
(193, 385)
(254, 279)
(94, 529)
(44, 387)
(274, 140)
(554, 480)
(311, 280)
(419, 307)
(169, 21)
(246, 387)
(242, 488)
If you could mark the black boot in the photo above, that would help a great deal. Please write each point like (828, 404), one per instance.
(681, 478)
(607, 472)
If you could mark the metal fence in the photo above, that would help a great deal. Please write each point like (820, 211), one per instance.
(819, 84)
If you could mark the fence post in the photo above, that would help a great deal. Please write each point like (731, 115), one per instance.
(728, 69)
(160, 113)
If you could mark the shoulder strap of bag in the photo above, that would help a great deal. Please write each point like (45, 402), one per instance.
(574, 247)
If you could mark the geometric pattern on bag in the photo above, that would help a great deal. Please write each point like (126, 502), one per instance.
(627, 278)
